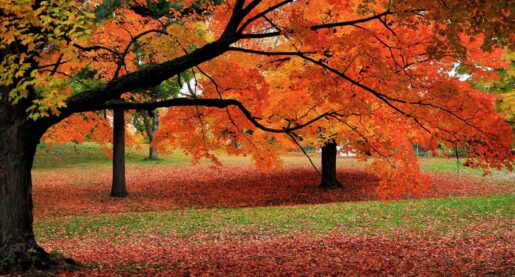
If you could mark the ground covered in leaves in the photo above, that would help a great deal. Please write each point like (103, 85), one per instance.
(298, 254)
(183, 220)
(63, 192)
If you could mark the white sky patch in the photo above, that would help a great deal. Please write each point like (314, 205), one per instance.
(190, 88)
(454, 73)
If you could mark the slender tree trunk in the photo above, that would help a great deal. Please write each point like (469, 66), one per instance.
(155, 126)
(329, 178)
(152, 153)
(118, 188)
(18, 248)
(151, 126)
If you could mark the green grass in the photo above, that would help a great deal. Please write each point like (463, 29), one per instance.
(441, 164)
(441, 215)
(89, 155)
(449, 164)
(68, 155)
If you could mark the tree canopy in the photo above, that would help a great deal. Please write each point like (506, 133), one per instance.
(376, 72)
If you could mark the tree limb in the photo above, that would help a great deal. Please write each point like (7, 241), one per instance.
(207, 102)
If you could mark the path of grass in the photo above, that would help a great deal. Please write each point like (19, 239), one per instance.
(440, 215)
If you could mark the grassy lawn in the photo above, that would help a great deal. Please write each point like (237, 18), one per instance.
(441, 215)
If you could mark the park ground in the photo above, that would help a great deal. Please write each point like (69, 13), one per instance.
(181, 219)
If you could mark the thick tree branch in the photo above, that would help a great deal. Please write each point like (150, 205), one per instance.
(215, 103)
(147, 77)
(238, 13)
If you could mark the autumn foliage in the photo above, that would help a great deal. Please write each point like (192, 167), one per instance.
(292, 63)
(251, 77)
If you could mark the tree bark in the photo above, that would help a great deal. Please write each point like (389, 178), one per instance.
(152, 153)
(155, 126)
(151, 126)
(329, 177)
(118, 188)
(18, 248)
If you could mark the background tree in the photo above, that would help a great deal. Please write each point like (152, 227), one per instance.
(147, 121)
(329, 177)
(503, 88)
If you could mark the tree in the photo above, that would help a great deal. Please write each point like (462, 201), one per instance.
(501, 87)
(377, 68)
(98, 128)
(118, 188)
(329, 178)
(147, 122)
(151, 122)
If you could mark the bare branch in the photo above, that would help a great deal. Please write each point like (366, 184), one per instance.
(379, 17)
(260, 35)
(264, 53)
(262, 14)
(291, 135)
(134, 39)
(351, 22)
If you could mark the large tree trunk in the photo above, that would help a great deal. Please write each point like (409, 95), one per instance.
(18, 248)
(329, 178)
(118, 188)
